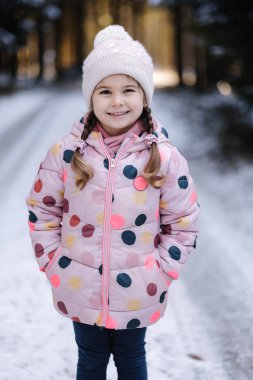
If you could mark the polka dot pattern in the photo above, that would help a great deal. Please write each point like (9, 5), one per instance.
(175, 253)
(74, 220)
(124, 280)
(155, 316)
(70, 241)
(65, 205)
(61, 306)
(165, 133)
(75, 282)
(130, 171)
(140, 183)
(134, 304)
(128, 237)
(106, 163)
(75, 319)
(140, 220)
(49, 201)
(133, 324)
(183, 182)
(156, 240)
(117, 221)
(64, 262)
(151, 289)
(88, 230)
(140, 198)
(55, 280)
(162, 297)
(39, 250)
(67, 155)
(38, 186)
(32, 217)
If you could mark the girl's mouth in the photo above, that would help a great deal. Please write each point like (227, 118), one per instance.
(117, 114)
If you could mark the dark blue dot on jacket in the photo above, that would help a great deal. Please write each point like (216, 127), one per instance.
(183, 182)
(64, 262)
(130, 171)
(165, 133)
(67, 155)
(106, 163)
(155, 134)
(141, 219)
(128, 237)
(100, 269)
(195, 242)
(112, 198)
(133, 323)
(124, 280)
(32, 217)
(162, 297)
(174, 252)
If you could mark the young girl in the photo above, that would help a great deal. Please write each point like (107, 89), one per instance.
(112, 212)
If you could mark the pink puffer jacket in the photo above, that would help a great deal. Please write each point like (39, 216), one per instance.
(119, 242)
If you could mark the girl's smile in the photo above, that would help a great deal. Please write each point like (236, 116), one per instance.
(118, 101)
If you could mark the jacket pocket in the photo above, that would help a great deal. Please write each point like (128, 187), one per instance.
(54, 258)
(162, 274)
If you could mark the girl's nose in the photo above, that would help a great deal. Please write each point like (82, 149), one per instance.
(117, 99)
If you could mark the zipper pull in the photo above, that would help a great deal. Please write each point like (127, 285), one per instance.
(112, 163)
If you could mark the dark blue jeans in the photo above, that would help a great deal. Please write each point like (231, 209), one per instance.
(96, 344)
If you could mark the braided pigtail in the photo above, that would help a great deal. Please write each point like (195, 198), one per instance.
(83, 171)
(154, 164)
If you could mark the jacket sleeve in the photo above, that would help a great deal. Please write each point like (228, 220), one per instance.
(45, 205)
(178, 213)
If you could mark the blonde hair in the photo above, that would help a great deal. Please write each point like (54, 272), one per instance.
(84, 171)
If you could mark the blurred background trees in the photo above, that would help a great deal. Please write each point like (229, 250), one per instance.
(193, 43)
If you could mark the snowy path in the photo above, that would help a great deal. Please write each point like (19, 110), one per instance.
(206, 332)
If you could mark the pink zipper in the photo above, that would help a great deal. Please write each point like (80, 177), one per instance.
(107, 226)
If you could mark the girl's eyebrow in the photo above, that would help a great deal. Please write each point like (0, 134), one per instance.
(127, 86)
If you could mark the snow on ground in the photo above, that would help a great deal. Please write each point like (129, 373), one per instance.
(206, 332)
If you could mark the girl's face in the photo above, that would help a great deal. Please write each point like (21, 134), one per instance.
(118, 102)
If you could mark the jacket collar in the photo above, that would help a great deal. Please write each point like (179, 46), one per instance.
(138, 142)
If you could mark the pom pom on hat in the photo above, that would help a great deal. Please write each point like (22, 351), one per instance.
(115, 52)
(115, 32)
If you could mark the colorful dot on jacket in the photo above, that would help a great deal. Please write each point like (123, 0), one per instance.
(124, 280)
(183, 182)
(133, 324)
(130, 171)
(128, 237)
(140, 183)
(67, 155)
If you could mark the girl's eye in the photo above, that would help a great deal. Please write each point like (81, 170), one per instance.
(105, 92)
(129, 90)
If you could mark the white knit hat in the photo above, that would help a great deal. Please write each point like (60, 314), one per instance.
(115, 52)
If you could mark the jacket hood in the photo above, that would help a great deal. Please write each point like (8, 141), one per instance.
(138, 143)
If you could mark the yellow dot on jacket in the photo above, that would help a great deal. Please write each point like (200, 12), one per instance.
(184, 222)
(163, 204)
(95, 134)
(55, 149)
(99, 320)
(133, 305)
(61, 193)
(146, 237)
(70, 241)
(140, 197)
(51, 224)
(75, 282)
(32, 202)
(100, 218)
